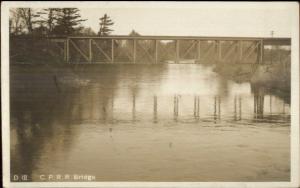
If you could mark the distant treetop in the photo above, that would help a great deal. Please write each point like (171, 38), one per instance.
(105, 24)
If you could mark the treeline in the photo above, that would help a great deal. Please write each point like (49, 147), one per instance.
(30, 26)
(54, 22)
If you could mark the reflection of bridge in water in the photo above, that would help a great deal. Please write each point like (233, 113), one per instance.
(156, 49)
(186, 107)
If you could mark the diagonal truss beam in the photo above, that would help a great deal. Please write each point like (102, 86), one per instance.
(208, 50)
(250, 50)
(189, 48)
(230, 50)
(79, 50)
(146, 51)
(101, 50)
(58, 46)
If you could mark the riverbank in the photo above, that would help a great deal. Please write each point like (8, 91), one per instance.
(272, 76)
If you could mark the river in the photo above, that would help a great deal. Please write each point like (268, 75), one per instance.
(168, 122)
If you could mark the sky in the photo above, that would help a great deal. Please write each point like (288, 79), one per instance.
(196, 19)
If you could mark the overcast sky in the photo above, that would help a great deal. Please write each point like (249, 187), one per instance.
(196, 19)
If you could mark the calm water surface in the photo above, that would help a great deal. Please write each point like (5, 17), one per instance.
(172, 122)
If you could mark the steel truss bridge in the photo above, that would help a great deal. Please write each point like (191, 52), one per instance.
(157, 49)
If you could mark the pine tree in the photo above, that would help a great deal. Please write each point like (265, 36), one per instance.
(68, 21)
(48, 17)
(105, 23)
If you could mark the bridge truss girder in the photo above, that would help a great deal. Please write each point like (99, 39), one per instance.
(156, 50)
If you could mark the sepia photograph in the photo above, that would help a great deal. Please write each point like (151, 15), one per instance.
(150, 94)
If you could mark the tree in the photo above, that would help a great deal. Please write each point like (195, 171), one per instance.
(133, 33)
(23, 20)
(105, 23)
(87, 31)
(28, 16)
(15, 21)
(67, 21)
(48, 17)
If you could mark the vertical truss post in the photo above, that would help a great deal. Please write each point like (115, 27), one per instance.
(258, 52)
(134, 50)
(112, 50)
(177, 51)
(90, 50)
(65, 50)
(219, 51)
(156, 51)
(68, 50)
(236, 51)
(198, 50)
(261, 51)
(215, 45)
(241, 51)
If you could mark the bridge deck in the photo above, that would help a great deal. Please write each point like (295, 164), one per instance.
(110, 48)
(266, 41)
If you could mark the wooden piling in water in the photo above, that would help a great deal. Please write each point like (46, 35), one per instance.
(215, 108)
(155, 108)
(175, 105)
(235, 112)
(219, 107)
(240, 108)
(133, 107)
(196, 106)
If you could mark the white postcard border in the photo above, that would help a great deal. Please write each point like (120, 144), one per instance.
(5, 96)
